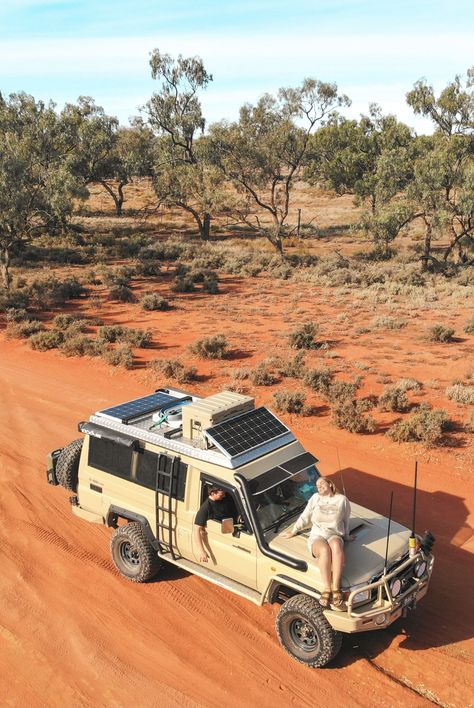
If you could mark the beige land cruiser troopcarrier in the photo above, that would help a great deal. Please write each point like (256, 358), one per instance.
(144, 467)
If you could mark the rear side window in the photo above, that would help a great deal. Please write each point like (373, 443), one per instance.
(108, 456)
(150, 465)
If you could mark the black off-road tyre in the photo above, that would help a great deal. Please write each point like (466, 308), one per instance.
(67, 466)
(305, 633)
(133, 555)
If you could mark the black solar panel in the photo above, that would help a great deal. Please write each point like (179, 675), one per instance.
(246, 431)
(125, 412)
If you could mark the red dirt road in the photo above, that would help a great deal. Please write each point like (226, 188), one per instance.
(73, 632)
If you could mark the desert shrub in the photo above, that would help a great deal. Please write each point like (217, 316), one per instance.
(122, 293)
(42, 341)
(470, 423)
(63, 321)
(153, 301)
(214, 347)
(294, 368)
(118, 333)
(460, 393)
(350, 414)
(340, 391)
(23, 329)
(174, 369)
(319, 379)
(440, 333)
(303, 337)
(148, 269)
(16, 299)
(166, 251)
(262, 375)
(424, 425)
(409, 385)
(122, 356)
(394, 399)
(51, 291)
(386, 322)
(289, 401)
(117, 276)
(210, 284)
(79, 345)
(19, 314)
(469, 327)
(183, 284)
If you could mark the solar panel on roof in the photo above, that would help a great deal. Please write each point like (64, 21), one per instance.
(246, 431)
(125, 412)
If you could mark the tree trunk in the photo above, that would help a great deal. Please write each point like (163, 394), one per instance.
(5, 268)
(119, 200)
(205, 227)
(426, 246)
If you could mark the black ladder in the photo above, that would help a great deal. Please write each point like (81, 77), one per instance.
(165, 511)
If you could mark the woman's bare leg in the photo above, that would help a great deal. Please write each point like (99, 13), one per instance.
(321, 550)
(337, 553)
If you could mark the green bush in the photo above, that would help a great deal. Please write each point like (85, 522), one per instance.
(183, 284)
(42, 341)
(350, 414)
(319, 380)
(214, 347)
(469, 327)
(174, 369)
(424, 425)
(118, 333)
(153, 301)
(386, 322)
(122, 293)
(461, 393)
(14, 314)
(262, 375)
(408, 385)
(290, 401)
(439, 333)
(341, 391)
(63, 321)
(80, 345)
(122, 356)
(303, 337)
(24, 329)
(13, 299)
(394, 399)
(294, 368)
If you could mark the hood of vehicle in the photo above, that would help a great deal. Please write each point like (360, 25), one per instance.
(365, 556)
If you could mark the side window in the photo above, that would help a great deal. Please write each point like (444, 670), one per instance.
(235, 509)
(109, 456)
(150, 464)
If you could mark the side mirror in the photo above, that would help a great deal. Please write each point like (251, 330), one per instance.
(227, 525)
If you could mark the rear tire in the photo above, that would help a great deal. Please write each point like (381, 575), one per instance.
(305, 633)
(133, 555)
(67, 467)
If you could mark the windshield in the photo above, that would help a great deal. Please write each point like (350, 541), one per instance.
(285, 499)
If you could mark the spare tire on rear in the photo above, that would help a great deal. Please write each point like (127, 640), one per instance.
(67, 466)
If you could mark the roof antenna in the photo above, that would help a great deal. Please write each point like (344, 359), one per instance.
(340, 472)
(388, 534)
(412, 539)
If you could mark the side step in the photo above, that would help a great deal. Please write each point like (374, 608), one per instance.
(216, 578)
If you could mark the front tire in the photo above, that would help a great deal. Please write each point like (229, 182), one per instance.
(305, 633)
(132, 553)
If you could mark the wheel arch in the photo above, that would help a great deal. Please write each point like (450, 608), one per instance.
(117, 512)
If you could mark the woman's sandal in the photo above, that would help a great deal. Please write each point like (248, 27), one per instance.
(325, 599)
(337, 599)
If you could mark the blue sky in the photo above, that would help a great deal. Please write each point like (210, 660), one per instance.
(374, 51)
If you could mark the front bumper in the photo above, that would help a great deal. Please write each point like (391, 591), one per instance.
(384, 609)
(51, 462)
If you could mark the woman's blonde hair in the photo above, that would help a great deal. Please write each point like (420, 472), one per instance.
(331, 485)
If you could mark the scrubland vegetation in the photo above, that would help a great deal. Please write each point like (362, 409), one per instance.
(193, 213)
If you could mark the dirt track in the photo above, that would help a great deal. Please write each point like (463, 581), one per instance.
(73, 632)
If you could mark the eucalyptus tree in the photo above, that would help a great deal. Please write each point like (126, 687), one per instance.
(263, 153)
(36, 184)
(443, 184)
(182, 174)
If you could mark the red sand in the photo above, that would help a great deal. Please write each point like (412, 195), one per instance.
(73, 632)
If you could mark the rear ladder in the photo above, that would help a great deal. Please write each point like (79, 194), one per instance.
(164, 512)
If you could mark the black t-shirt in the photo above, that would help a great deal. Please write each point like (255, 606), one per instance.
(216, 510)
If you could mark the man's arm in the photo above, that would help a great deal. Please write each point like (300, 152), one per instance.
(199, 534)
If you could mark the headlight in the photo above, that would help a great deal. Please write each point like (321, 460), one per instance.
(361, 596)
(395, 587)
(420, 568)
(380, 619)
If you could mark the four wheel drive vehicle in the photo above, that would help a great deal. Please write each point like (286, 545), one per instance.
(144, 468)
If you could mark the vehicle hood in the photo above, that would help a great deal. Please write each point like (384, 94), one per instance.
(365, 556)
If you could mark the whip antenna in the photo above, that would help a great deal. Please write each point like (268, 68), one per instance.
(412, 539)
(388, 534)
(340, 472)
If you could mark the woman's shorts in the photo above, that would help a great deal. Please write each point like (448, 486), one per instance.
(322, 534)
